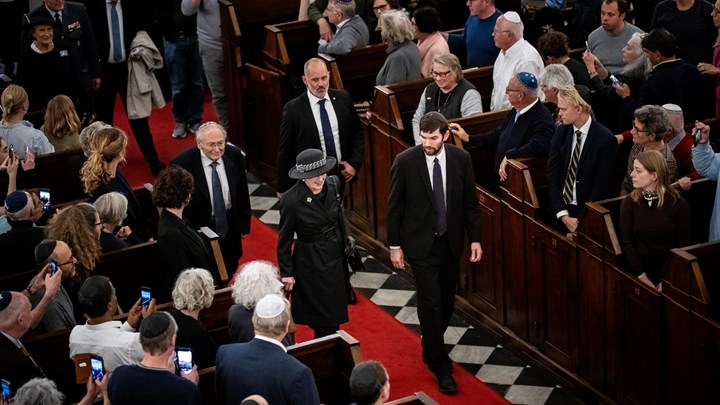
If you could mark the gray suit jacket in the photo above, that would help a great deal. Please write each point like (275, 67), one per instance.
(352, 34)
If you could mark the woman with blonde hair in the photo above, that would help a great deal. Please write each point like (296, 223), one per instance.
(78, 226)
(255, 280)
(19, 134)
(654, 218)
(194, 291)
(62, 124)
(100, 175)
(112, 208)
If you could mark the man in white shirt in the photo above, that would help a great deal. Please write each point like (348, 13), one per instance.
(116, 342)
(516, 55)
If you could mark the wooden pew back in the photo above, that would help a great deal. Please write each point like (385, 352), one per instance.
(356, 71)
(52, 171)
(129, 269)
(289, 45)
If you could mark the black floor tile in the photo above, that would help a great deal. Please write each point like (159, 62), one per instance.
(531, 376)
(414, 328)
(366, 292)
(561, 397)
(501, 357)
(391, 310)
(501, 389)
(477, 337)
(397, 283)
(264, 191)
(471, 368)
(373, 266)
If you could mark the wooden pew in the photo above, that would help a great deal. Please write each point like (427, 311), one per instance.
(51, 171)
(356, 72)
(129, 269)
(289, 45)
(417, 398)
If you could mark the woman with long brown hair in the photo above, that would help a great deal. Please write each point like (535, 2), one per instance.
(654, 218)
(100, 175)
(79, 226)
(62, 124)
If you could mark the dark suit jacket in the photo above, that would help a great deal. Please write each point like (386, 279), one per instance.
(134, 19)
(529, 136)
(79, 40)
(180, 247)
(298, 132)
(15, 366)
(595, 168)
(260, 367)
(411, 206)
(199, 211)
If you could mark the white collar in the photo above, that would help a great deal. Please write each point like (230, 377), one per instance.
(271, 340)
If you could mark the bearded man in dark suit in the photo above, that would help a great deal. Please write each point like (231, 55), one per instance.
(221, 199)
(310, 122)
(433, 180)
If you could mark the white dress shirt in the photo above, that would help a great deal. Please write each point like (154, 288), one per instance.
(222, 174)
(521, 57)
(315, 107)
(118, 7)
(583, 137)
(115, 342)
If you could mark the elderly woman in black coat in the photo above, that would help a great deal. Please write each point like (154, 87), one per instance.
(315, 270)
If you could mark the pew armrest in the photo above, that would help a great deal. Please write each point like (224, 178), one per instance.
(212, 237)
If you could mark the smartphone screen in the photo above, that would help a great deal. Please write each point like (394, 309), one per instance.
(698, 136)
(183, 360)
(615, 81)
(5, 390)
(145, 296)
(12, 152)
(96, 365)
(45, 199)
(53, 267)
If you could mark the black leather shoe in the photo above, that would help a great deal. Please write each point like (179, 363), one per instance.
(156, 167)
(446, 384)
(352, 299)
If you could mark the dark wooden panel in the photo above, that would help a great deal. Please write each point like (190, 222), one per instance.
(356, 71)
(705, 372)
(360, 199)
(592, 350)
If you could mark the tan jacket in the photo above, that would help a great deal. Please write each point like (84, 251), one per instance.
(143, 92)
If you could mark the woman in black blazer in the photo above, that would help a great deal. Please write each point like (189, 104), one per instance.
(180, 246)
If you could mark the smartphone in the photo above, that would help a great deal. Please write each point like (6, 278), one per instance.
(97, 367)
(145, 296)
(6, 391)
(698, 136)
(586, 45)
(45, 199)
(53, 267)
(183, 360)
(615, 81)
(11, 152)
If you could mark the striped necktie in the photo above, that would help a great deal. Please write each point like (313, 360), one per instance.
(572, 171)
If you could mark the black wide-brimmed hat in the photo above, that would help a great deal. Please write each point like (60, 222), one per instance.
(311, 163)
(30, 22)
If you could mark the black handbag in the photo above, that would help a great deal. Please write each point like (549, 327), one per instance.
(353, 254)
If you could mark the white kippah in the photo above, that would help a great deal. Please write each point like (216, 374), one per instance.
(512, 16)
(269, 306)
(672, 108)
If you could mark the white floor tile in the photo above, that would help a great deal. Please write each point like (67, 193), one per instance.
(368, 280)
(528, 395)
(408, 315)
(252, 187)
(470, 354)
(271, 217)
(262, 203)
(490, 373)
(394, 298)
(453, 334)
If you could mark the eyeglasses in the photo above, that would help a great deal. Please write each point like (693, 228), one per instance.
(380, 7)
(508, 90)
(71, 261)
(213, 145)
(101, 223)
(638, 130)
(441, 74)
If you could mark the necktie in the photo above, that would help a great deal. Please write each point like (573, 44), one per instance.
(58, 21)
(115, 27)
(330, 149)
(572, 171)
(439, 198)
(517, 115)
(25, 352)
(219, 210)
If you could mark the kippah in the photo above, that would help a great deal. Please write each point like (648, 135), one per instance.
(43, 250)
(672, 108)
(154, 325)
(527, 79)
(95, 289)
(5, 299)
(344, 1)
(512, 16)
(269, 306)
(15, 201)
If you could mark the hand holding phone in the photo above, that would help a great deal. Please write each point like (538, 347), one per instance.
(145, 296)
(615, 81)
(697, 136)
(6, 391)
(53, 267)
(97, 367)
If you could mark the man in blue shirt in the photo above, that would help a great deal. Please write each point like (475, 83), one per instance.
(476, 38)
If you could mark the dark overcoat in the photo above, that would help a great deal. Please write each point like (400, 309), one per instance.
(317, 264)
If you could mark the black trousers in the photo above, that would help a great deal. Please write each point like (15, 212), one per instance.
(114, 81)
(436, 278)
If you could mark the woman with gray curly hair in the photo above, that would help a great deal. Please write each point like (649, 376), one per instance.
(255, 280)
(403, 61)
(194, 291)
(112, 208)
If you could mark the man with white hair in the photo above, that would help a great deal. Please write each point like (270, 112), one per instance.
(680, 143)
(351, 29)
(17, 366)
(516, 55)
(262, 365)
(17, 245)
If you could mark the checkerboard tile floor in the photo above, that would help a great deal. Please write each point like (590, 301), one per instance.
(470, 344)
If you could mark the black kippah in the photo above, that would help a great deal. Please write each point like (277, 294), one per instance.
(154, 325)
(5, 299)
(43, 250)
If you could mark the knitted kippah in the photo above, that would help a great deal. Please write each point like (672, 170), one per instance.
(16, 201)
(527, 79)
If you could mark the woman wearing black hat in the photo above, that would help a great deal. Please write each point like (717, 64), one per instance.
(46, 69)
(315, 270)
